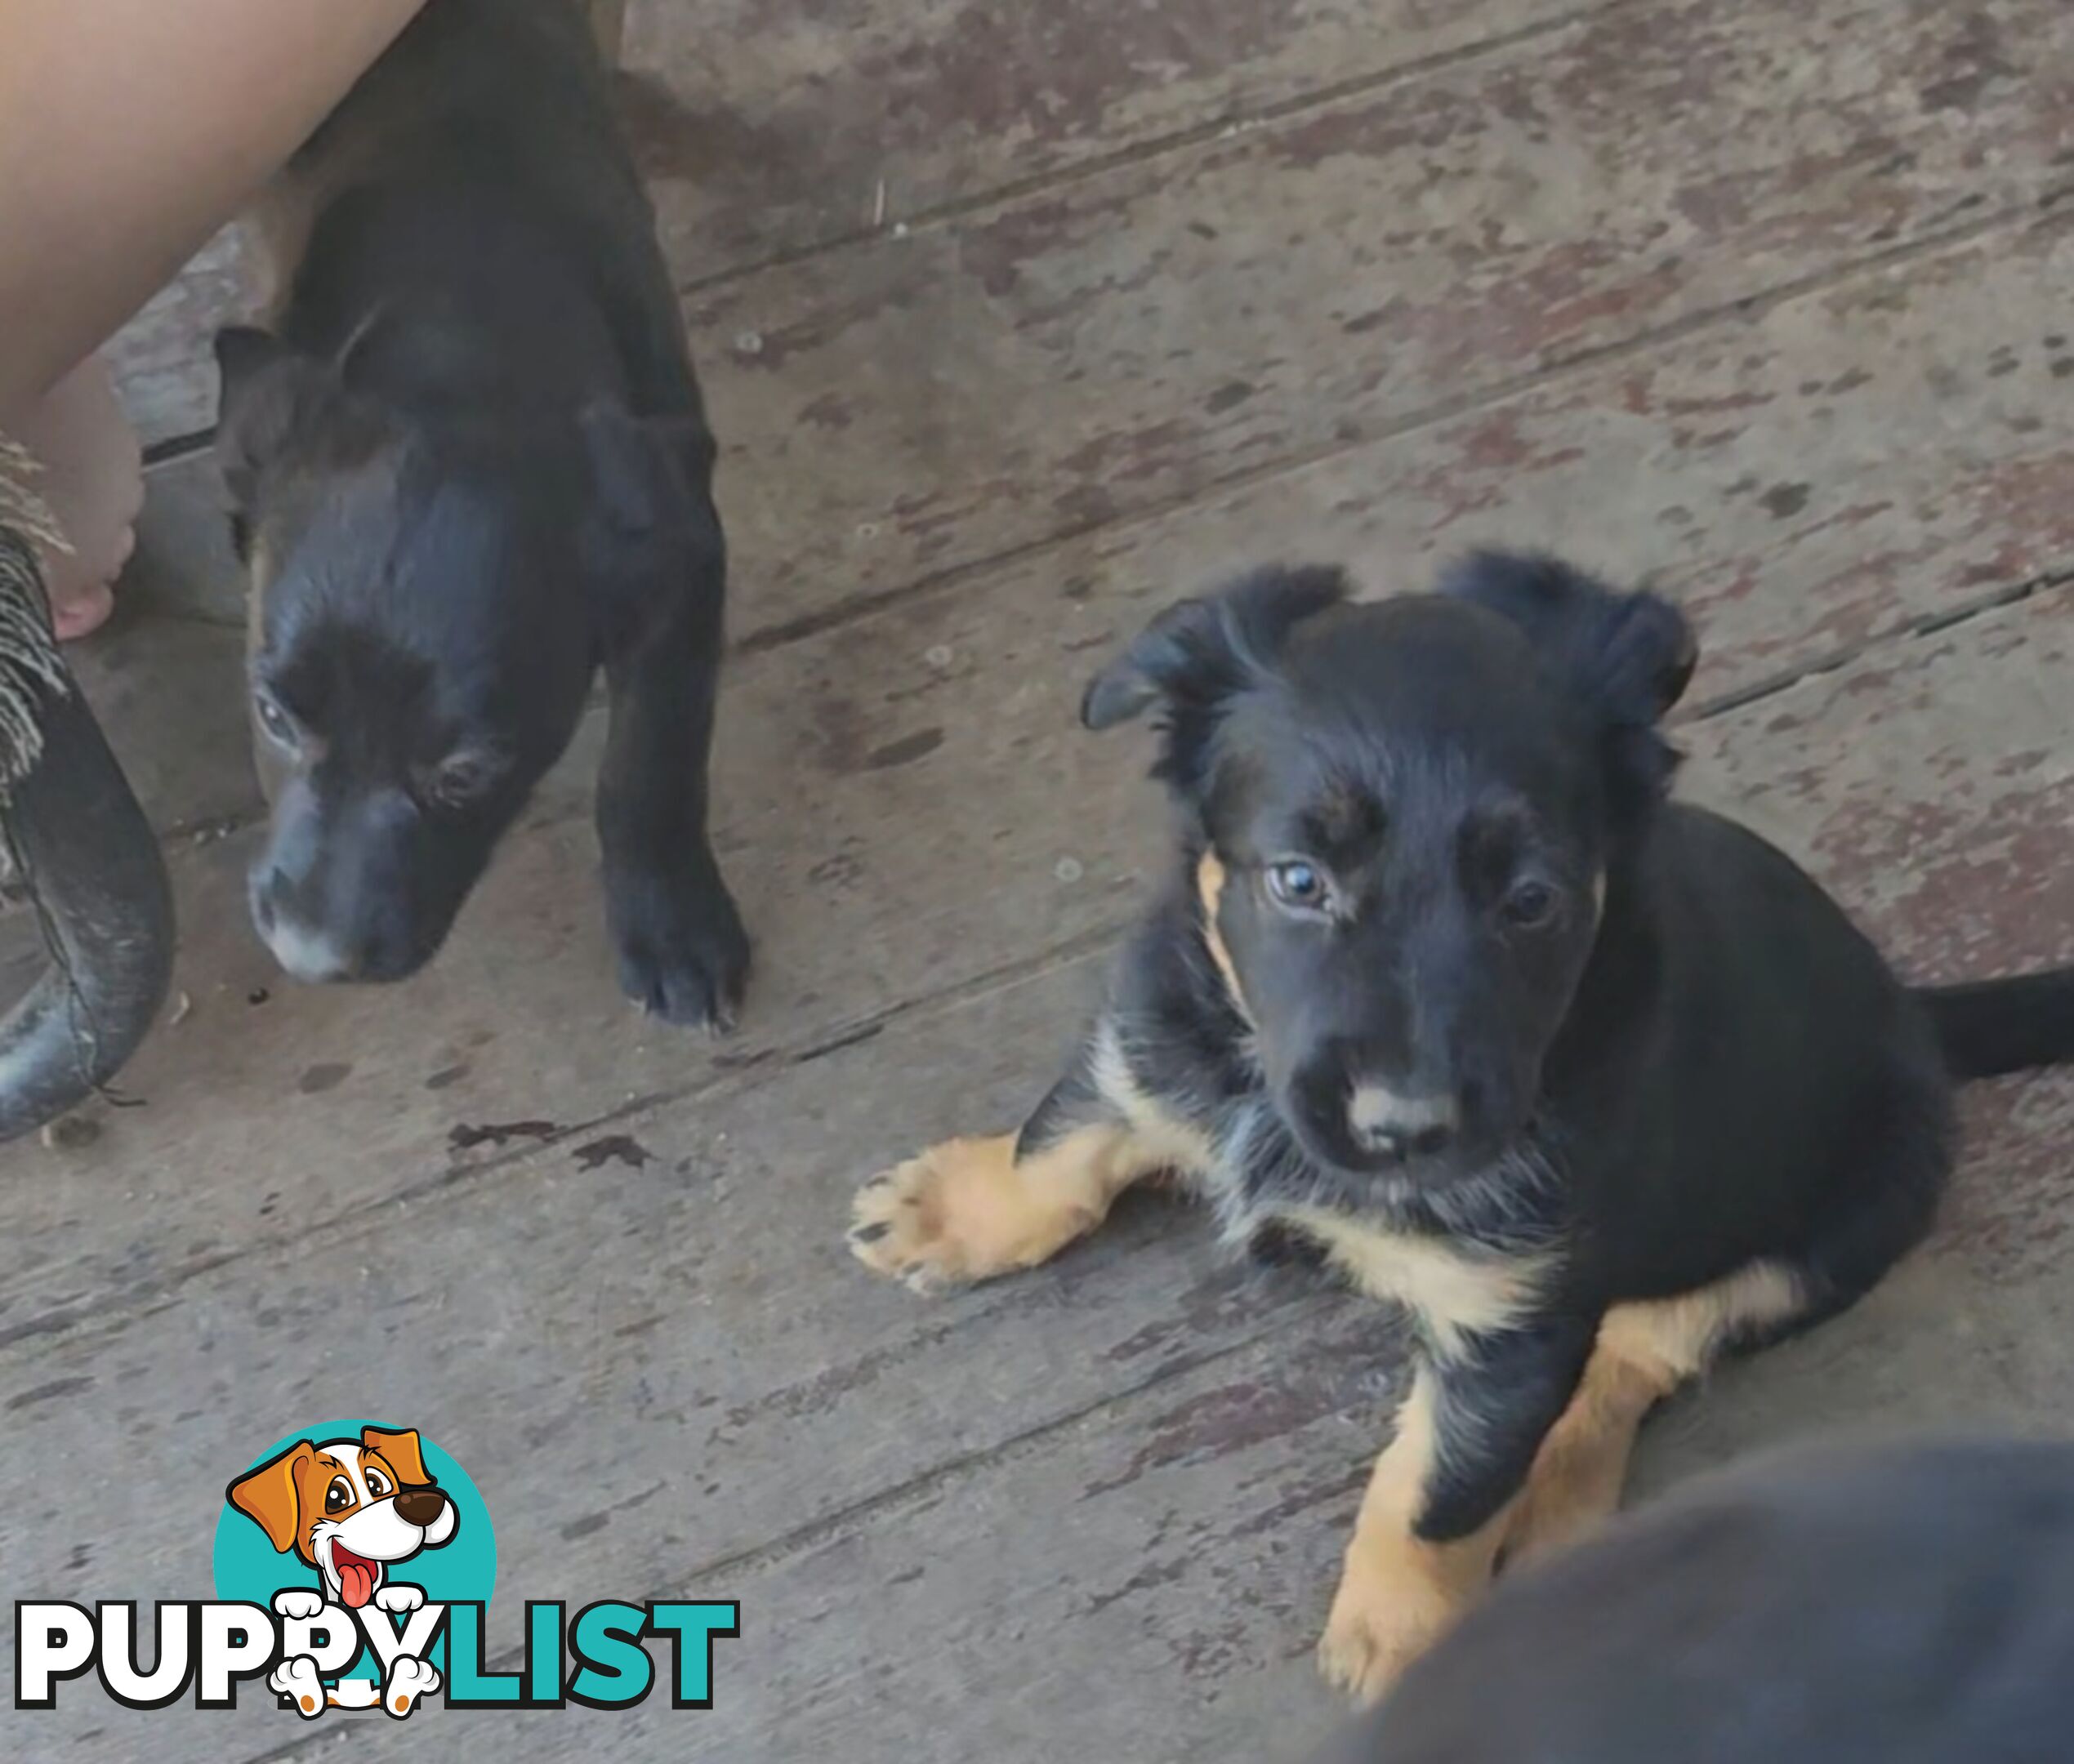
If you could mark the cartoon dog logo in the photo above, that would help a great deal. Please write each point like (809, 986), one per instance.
(351, 1509)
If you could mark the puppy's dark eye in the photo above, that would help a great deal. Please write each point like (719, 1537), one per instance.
(339, 1496)
(1529, 905)
(275, 720)
(1299, 885)
(377, 1484)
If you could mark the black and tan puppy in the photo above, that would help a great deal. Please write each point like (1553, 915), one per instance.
(1903, 1605)
(468, 467)
(1596, 1085)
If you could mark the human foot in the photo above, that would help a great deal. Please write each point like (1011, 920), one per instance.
(92, 479)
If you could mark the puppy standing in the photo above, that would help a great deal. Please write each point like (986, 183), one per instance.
(468, 465)
(1596, 1085)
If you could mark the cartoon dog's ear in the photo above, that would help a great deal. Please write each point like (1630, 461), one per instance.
(652, 526)
(402, 1450)
(1629, 656)
(267, 1493)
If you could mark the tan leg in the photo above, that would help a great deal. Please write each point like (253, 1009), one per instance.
(1643, 1353)
(1399, 1593)
(966, 1210)
(1582, 1465)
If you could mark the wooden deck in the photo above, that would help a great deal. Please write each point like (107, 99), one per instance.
(1016, 321)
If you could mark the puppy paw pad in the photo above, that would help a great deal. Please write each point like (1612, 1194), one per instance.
(901, 1224)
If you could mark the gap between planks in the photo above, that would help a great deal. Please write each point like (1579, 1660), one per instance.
(1237, 120)
(2018, 217)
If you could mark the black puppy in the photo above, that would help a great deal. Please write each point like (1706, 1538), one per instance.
(1596, 1085)
(1904, 1605)
(468, 467)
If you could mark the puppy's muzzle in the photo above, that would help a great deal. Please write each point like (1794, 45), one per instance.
(1387, 1124)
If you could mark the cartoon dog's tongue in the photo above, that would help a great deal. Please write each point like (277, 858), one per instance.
(355, 1576)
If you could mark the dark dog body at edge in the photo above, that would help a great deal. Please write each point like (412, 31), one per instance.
(1903, 1603)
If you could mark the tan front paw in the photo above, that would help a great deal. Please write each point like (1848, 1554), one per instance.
(961, 1211)
(1377, 1627)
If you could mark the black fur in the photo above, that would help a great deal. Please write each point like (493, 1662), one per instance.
(1630, 1039)
(1903, 1603)
(470, 465)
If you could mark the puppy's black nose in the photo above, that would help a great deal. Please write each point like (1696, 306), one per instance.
(1388, 1125)
(420, 1506)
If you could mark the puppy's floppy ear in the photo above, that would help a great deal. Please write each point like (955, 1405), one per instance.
(1198, 654)
(266, 1494)
(651, 526)
(402, 1450)
(269, 392)
(1630, 654)
(1200, 651)
(1628, 657)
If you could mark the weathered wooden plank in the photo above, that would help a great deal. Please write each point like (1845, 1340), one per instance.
(668, 1320)
(1098, 351)
(766, 130)
(906, 805)
(1150, 1587)
(1143, 1581)
(1824, 472)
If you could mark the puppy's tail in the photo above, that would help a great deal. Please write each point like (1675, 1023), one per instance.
(1986, 1027)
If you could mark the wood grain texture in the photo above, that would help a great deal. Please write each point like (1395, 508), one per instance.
(766, 130)
(1094, 354)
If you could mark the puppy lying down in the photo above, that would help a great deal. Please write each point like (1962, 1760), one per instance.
(1442, 989)
(1853, 1606)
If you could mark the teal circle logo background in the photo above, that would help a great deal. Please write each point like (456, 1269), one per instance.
(464, 1568)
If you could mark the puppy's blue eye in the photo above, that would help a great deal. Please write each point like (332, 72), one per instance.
(275, 720)
(1529, 904)
(1299, 884)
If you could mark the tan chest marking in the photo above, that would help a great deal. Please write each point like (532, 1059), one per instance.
(1209, 878)
(1452, 1293)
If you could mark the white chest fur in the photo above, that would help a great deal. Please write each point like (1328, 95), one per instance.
(1453, 1292)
